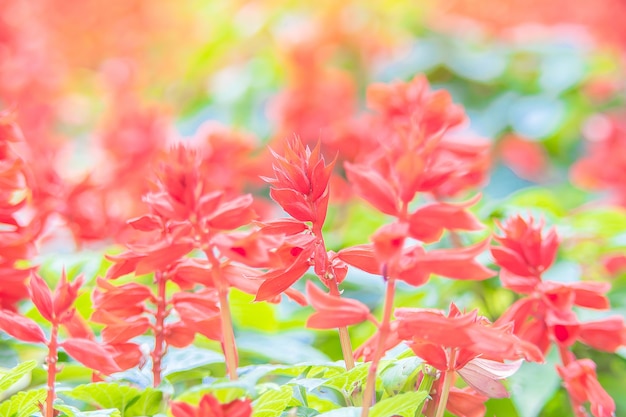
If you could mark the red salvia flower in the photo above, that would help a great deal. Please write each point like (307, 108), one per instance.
(525, 253)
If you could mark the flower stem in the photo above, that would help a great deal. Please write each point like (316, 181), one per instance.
(383, 334)
(448, 376)
(159, 334)
(228, 335)
(344, 336)
(51, 361)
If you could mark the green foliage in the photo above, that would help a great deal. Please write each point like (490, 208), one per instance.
(10, 377)
(23, 404)
(132, 402)
(405, 405)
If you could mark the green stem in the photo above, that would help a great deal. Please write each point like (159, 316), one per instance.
(383, 334)
(429, 376)
(51, 361)
(448, 376)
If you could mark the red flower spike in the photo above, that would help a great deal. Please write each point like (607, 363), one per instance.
(21, 328)
(525, 250)
(428, 222)
(300, 183)
(333, 311)
(582, 385)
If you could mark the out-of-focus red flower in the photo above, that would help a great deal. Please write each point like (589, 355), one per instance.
(603, 166)
(210, 407)
(582, 384)
(615, 264)
(414, 151)
(526, 158)
(502, 17)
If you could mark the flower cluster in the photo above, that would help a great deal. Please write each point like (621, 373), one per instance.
(545, 315)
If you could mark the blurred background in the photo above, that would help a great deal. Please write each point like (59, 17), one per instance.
(99, 88)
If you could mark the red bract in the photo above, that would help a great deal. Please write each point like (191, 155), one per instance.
(210, 407)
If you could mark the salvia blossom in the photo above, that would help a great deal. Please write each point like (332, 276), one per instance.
(210, 407)
(545, 314)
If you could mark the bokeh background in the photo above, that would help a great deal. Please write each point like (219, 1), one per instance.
(100, 88)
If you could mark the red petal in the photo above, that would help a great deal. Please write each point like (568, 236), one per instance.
(41, 296)
(21, 328)
(333, 311)
(90, 354)
(362, 257)
(607, 334)
(373, 188)
(428, 222)
(233, 214)
(162, 258)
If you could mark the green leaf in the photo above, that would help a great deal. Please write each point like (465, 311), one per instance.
(405, 405)
(300, 412)
(23, 404)
(130, 401)
(225, 392)
(148, 403)
(10, 377)
(273, 402)
(399, 374)
(343, 412)
(70, 411)
(349, 380)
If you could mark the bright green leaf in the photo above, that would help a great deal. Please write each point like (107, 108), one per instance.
(10, 377)
(405, 405)
(273, 402)
(129, 400)
(23, 404)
